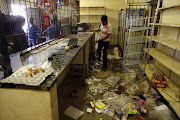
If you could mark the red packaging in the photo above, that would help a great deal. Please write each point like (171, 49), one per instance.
(139, 118)
(159, 81)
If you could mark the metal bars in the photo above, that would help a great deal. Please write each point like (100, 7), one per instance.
(48, 21)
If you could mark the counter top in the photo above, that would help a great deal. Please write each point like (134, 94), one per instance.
(61, 58)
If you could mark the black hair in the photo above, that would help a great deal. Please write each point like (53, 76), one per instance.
(104, 18)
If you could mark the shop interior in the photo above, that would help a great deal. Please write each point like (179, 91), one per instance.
(89, 60)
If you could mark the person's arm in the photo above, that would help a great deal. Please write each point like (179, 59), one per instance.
(45, 33)
(99, 27)
(103, 38)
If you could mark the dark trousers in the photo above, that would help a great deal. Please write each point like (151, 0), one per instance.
(105, 45)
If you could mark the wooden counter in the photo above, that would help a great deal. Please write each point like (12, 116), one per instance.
(41, 103)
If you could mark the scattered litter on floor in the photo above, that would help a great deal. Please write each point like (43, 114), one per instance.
(103, 74)
(97, 89)
(112, 80)
(89, 110)
(123, 94)
(88, 81)
(73, 112)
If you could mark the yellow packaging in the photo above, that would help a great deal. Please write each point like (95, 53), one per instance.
(131, 110)
(99, 104)
(92, 105)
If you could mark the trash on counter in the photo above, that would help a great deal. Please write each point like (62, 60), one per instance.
(33, 78)
(117, 115)
(73, 112)
(89, 110)
(67, 48)
(112, 80)
(158, 80)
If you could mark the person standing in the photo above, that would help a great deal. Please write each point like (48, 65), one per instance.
(4, 59)
(53, 31)
(105, 30)
(33, 34)
(20, 38)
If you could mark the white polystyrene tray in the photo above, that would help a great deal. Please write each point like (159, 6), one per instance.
(19, 77)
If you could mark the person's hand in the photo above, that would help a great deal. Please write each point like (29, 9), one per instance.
(97, 41)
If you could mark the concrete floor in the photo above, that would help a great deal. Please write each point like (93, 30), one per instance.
(81, 103)
(65, 100)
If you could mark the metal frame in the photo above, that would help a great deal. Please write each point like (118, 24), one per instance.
(35, 10)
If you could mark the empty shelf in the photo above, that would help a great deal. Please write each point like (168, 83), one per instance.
(165, 59)
(169, 93)
(167, 7)
(91, 14)
(93, 7)
(165, 24)
(176, 107)
(136, 29)
(170, 89)
(167, 42)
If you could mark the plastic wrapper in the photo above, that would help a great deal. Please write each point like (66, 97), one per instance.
(108, 110)
(97, 89)
(161, 112)
(112, 80)
(88, 81)
(152, 94)
(139, 88)
(129, 77)
(96, 70)
(116, 101)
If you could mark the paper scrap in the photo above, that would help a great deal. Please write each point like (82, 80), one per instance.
(73, 112)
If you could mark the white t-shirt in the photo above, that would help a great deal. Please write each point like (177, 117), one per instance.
(105, 30)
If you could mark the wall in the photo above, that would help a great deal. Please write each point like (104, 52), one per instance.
(21, 104)
(112, 8)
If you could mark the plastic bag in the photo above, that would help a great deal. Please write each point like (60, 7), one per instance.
(139, 88)
(161, 112)
(112, 80)
(129, 77)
